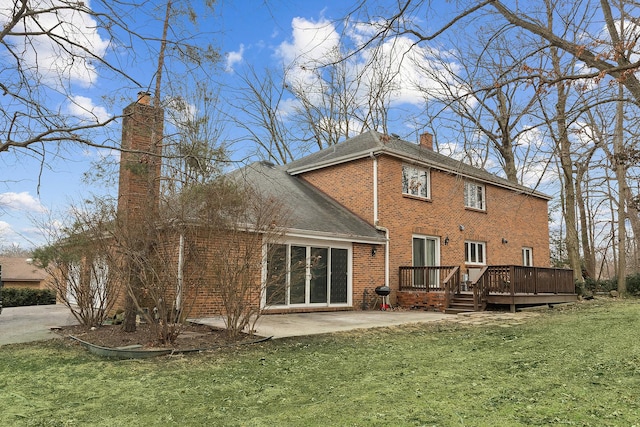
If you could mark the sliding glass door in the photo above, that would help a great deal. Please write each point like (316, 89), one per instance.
(307, 275)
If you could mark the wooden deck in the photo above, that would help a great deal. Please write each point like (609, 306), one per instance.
(510, 285)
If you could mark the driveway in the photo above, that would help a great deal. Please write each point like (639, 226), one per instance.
(32, 323)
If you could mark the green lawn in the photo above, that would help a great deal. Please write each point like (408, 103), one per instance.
(577, 366)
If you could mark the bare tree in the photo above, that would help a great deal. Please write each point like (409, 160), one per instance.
(475, 96)
(195, 152)
(83, 267)
(54, 49)
(13, 250)
(262, 103)
(315, 103)
(236, 231)
(568, 50)
(610, 54)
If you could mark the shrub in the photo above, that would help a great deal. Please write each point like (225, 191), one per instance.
(633, 284)
(601, 285)
(18, 297)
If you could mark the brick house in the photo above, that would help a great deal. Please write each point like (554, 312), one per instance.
(19, 272)
(377, 210)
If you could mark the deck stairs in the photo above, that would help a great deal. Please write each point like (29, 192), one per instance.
(460, 303)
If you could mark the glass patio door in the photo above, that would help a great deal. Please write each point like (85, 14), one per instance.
(318, 292)
(425, 255)
(307, 275)
(339, 264)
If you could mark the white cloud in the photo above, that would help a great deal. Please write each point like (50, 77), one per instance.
(83, 108)
(312, 41)
(50, 61)
(23, 202)
(234, 58)
(407, 71)
(5, 230)
(288, 106)
(313, 44)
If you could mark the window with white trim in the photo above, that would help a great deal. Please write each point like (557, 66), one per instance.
(474, 195)
(475, 253)
(415, 181)
(527, 257)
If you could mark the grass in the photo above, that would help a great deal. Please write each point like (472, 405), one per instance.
(577, 366)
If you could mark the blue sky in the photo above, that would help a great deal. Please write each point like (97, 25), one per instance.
(251, 33)
(248, 32)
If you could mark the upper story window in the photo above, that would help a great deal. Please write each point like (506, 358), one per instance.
(474, 195)
(474, 253)
(527, 257)
(415, 181)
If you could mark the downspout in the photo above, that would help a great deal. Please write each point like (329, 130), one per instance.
(180, 272)
(375, 218)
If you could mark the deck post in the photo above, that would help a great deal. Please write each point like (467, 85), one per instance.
(512, 276)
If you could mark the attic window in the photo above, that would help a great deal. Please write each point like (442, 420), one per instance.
(415, 181)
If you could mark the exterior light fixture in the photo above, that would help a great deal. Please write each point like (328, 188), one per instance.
(446, 240)
(504, 241)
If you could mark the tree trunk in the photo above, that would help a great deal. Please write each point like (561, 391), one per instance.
(621, 172)
(566, 164)
(634, 220)
(587, 249)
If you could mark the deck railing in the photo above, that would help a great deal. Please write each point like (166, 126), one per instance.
(509, 279)
(514, 279)
(431, 278)
(451, 285)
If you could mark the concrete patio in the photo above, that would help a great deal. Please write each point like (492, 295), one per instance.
(298, 324)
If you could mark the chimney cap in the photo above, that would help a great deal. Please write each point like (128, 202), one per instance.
(144, 97)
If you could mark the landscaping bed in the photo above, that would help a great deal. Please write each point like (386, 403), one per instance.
(192, 337)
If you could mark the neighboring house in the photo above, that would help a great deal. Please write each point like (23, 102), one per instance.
(378, 210)
(19, 272)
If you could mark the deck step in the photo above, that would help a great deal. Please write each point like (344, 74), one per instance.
(461, 303)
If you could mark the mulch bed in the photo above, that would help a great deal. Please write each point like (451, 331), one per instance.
(191, 337)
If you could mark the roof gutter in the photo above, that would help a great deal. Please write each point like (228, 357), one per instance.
(332, 236)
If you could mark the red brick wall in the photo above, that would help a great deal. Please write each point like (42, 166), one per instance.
(350, 184)
(203, 275)
(368, 273)
(521, 219)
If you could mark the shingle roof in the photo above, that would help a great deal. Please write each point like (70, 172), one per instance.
(375, 143)
(309, 209)
(18, 269)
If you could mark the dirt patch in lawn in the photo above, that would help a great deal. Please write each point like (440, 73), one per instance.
(192, 336)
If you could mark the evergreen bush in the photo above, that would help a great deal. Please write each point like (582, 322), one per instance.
(20, 297)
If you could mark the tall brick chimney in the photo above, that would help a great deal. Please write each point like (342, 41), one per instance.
(426, 140)
(140, 162)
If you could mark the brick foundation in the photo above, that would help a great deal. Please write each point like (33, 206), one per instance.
(421, 300)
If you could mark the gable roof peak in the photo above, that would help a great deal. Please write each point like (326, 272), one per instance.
(373, 142)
